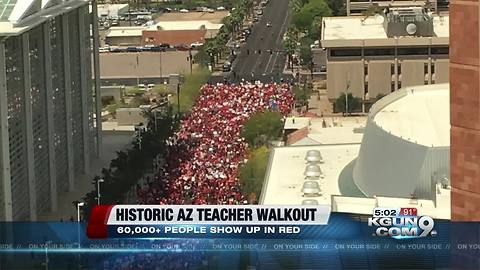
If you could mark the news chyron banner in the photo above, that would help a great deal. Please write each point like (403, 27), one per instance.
(205, 221)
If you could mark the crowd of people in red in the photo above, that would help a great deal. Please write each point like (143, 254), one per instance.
(204, 156)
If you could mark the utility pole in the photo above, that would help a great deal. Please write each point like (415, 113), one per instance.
(346, 98)
(190, 58)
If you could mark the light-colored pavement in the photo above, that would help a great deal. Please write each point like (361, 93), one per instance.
(144, 64)
(111, 143)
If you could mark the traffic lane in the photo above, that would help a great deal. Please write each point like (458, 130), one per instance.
(255, 41)
(269, 36)
(263, 38)
(273, 41)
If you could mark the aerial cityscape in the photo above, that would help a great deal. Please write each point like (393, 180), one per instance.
(352, 104)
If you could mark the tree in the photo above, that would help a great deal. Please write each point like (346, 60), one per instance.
(252, 173)
(306, 56)
(337, 7)
(353, 103)
(262, 127)
(302, 94)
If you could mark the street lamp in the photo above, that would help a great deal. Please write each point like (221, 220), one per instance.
(100, 180)
(79, 204)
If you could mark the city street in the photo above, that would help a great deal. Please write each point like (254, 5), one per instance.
(265, 66)
(265, 38)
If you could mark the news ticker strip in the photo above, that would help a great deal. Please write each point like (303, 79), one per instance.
(164, 221)
(270, 245)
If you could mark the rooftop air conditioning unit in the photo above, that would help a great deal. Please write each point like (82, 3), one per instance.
(311, 188)
(313, 171)
(314, 156)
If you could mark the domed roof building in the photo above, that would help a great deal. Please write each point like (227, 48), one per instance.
(406, 144)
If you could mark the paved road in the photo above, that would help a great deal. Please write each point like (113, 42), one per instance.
(264, 65)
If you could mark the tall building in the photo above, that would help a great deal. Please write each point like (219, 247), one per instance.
(381, 54)
(47, 103)
(465, 111)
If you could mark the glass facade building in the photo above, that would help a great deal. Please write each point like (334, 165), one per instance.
(47, 103)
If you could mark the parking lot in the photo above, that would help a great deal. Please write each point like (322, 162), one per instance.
(144, 64)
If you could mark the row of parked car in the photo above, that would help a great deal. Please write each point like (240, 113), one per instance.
(151, 48)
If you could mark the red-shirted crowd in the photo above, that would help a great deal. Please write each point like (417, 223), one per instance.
(204, 156)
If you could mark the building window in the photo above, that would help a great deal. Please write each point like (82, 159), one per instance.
(425, 68)
(399, 84)
(413, 51)
(392, 69)
(346, 52)
(365, 69)
(432, 68)
(392, 87)
(443, 50)
(379, 52)
(399, 67)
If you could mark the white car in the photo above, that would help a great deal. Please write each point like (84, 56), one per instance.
(196, 44)
(220, 8)
(184, 10)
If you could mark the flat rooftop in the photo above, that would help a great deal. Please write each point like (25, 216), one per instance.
(420, 114)
(287, 165)
(352, 28)
(284, 180)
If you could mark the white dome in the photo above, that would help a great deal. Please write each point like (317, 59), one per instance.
(406, 140)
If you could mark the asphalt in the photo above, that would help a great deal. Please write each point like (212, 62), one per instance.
(263, 65)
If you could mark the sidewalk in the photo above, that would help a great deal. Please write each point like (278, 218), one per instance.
(111, 143)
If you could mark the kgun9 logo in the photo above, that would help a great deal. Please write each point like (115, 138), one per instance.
(403, 227)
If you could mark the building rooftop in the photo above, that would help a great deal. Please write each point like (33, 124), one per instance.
(287, 165)
(310, 131)
(418, 114)
(126, 31)
(285, 176)
(108, 9)
(352, 28)
(296, 122)
(174, 37)
(185, 25)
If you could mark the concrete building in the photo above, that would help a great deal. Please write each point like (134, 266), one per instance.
(358, 7)
(125, 36)
(47, 106)
(377, 55)
(112, 10)
(465, 118)
(404, 151)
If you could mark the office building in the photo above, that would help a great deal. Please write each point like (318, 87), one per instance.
(375, 56)
(47, 106)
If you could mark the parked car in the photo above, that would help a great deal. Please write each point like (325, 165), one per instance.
(220, 8)
(196, 44)
(184, 10)
(132, 49)
(269, 24)
(164, 45)
(182, 47)
(255, 19)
